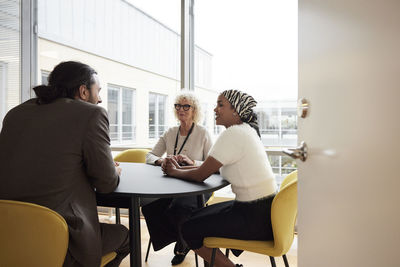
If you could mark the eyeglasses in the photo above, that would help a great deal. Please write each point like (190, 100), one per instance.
(185, 107)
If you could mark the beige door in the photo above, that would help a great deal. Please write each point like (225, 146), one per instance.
(349, 187)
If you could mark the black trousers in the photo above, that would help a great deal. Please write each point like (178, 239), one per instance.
(114, 237)
(231, 219)
(165, 216)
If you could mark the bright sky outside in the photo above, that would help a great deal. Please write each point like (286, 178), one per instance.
(253, 42)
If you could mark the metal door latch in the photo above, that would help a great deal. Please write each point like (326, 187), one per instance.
(300, 152)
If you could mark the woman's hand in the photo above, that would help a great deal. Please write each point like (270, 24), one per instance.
(184, 160)
(159, 162)
(198, 174)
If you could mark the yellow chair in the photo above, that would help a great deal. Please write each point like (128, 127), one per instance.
(289, 178)
(107, 258)
(283, 218)
(132, 155)
(33, 235)
(135, 155)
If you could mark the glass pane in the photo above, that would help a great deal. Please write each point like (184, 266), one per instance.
(205, 112)
(127, 101)
(274, 161)
(130, 43)
(10, 43)
(127, 132)
(152, 131)
(288, 165)
(152, 115)
(113, 132)
(269, 124)
(45, 77)
(113, 99)
(256, 53)
(161, 114)
(166, 12)
(217, 129)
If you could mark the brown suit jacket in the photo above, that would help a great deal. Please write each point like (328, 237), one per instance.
(57, 155)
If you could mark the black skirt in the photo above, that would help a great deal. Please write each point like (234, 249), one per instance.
(165, 216)
(231, 219)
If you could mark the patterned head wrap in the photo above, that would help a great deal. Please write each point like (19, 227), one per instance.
(243, 104)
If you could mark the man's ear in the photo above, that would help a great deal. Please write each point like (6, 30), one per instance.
(83, 93)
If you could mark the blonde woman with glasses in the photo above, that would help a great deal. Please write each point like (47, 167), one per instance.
(189, 144)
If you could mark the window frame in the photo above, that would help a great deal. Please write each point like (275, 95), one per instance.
(29, 48)
(120, 124)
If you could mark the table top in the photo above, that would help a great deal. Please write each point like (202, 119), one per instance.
(144, 180)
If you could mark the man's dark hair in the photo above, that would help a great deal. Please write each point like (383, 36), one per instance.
(64, 81)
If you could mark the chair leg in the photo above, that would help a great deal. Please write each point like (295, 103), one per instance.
(214, 251)
(148, 250)
(273, 264)
(285, 260)
(117, 216)
(227, 252)
(196, 259)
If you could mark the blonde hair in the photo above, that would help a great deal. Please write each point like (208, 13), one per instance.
(194, 102)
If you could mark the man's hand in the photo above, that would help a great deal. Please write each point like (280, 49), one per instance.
(183, 160)
(119, 170)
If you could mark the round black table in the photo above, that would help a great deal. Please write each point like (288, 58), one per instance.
(139, 180)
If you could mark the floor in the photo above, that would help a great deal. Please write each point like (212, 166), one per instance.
(163, 257)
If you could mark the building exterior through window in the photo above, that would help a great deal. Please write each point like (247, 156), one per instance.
(10, 55)
(137, 59)
(157, 113)
(121, 113)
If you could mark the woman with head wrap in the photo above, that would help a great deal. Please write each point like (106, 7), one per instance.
(240, 156)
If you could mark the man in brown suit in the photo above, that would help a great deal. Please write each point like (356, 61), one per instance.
(55, 152)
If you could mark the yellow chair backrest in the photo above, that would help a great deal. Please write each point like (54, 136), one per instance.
(31, 235)
(107, 258)
(132, 155)
(284, 213)
(289, 178)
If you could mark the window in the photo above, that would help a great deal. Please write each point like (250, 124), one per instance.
(10, 55)
(138, 43)
(45, 77)
(157, 113)
(256, 54)
(121, 112)
(3, 90)
(277, 122)
(217, 129)
(205, 114)
(282, 166)
(127, 43)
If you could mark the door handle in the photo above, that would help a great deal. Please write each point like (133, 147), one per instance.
(300, 152)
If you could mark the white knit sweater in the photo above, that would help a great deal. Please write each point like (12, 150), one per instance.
(245, 162)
